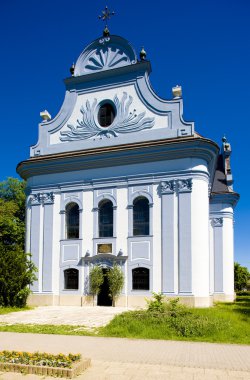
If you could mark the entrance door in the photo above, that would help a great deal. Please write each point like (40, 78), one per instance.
(103, 298)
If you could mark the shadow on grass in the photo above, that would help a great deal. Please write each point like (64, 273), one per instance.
(246, 300)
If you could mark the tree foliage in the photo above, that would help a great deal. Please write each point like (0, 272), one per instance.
(241, 277)
(14, 190)
(16, 269)
(95, 280)
(116, 282)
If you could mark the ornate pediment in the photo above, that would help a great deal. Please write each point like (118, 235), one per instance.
(125, 121)
(105, 54)
(106, 58)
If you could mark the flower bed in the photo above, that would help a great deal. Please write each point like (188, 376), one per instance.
(43, 364)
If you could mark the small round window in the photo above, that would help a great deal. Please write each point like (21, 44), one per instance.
(106, 115)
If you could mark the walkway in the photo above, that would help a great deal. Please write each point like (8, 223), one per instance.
(87, 316)
(120, 359)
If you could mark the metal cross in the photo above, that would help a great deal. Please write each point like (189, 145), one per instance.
(106, 15)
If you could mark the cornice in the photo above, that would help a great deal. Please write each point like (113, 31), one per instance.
(138, 68)
(227, 197)
(126, 154)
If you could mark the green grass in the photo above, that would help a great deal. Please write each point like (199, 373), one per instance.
(7, 310)
(47, 329)
(223, 323)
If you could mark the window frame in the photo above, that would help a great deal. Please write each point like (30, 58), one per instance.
(72, 231)
(146, 279)
(143, 226)
(102, 224)
(66, 279)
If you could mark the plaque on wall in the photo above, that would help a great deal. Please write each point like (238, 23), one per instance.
(104, 248)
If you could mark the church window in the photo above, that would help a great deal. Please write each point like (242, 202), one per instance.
(141, 216)
(106, 218)
(140, 278)
(71, 279)
(106, 115)
(72, 221)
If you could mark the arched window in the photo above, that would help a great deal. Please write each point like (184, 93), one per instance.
(71, 279)
(140, 279)
(141, 216)
(105, 218)
(72, 221)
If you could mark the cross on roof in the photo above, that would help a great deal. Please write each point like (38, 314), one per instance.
(106, 15)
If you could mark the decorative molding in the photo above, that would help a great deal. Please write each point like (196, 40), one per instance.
(42, 198)
(124, 122)
(104, 40)
(168, 187)
(178, 186)
(217, 222)
(184, 185)
(106, 57)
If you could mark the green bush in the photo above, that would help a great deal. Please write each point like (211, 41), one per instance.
(241, 277)
(16, 273)
(157, 303)
(243, 293)
(16, 269)
(116, 282)
(95, 280)
(179, 318)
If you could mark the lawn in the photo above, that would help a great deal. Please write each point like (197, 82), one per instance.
(7, 310)
(223, 323)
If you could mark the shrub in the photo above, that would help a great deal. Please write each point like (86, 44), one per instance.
(241, 277)
(16, 269)
(16, 273)
(116, 282)
(95, 280)
(180, 319)
(157, 303)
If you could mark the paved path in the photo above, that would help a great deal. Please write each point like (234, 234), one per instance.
(121, 359)
(88, 316)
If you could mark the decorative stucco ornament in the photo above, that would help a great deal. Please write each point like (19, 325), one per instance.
(106, 57)
(217, 222)
(124, 122)
(42, 198)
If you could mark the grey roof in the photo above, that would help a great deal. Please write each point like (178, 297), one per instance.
(220, 184)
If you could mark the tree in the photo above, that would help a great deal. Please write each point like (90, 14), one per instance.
(16, 269)
(95, 280)
(116, 282)
(14, 190)
(241, 277)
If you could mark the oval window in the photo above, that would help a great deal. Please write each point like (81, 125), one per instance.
(106, 115)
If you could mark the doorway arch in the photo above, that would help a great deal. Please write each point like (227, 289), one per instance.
(103, 298)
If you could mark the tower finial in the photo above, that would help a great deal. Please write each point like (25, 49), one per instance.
(106, 15)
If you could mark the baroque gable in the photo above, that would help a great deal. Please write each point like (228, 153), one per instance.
(108, 73)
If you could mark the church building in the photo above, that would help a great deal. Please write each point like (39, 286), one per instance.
(118, 177)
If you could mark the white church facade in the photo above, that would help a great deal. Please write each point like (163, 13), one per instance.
(118, 177)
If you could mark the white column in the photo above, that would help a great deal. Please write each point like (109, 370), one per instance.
(87, 222)
(200, 240)
(36, 244)
(184, 240)
(155, 222)
(27, 227)
(168, 238)
(48, 236)
(218, 255)
(122, 221)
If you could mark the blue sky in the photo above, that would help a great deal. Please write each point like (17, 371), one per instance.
(201, 45)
